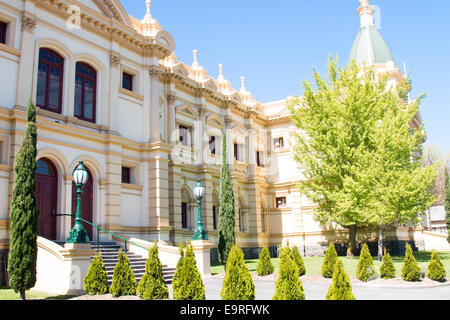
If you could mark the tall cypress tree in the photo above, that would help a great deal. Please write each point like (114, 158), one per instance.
(227, 222)
(23, 212)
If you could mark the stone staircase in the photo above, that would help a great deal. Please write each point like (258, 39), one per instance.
(110, 252)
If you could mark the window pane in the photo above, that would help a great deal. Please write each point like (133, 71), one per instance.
(3, 27)
(54, 89)
(184, 224)
(78, 94)
(127, 81)
(41, 85)
(89, 100)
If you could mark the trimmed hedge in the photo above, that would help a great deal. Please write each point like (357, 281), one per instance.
(123, 281)
(188, 284)
(288, 285)
(436, 270)
(387, 268)
(265, 266)
(341, 288)
(329, 261)
(410, 270)
(152, 285)
(96, 280)
(238, 283)
(296, 256)
(365, 269)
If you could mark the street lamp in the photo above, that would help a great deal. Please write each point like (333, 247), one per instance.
(78, 234)
(200, 233)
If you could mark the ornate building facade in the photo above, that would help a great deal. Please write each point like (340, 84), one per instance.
(110, 91)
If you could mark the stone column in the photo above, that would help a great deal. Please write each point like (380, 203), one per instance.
(159, 195)
(201, 129)
(171, 128)
(113, 182)
(174, 200)
(114, 84)
(26, 65)
(230, 150)
(154, 74)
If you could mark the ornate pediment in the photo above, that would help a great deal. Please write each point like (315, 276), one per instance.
(187, 110)
(111, 8)
(181, 69)
(215, 121)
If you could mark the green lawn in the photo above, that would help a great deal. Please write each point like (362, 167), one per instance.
(9, 294)
(314, 264)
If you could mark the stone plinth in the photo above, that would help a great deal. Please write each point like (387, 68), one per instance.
(202, 251)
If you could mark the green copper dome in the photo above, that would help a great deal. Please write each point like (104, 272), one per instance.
(370, 47)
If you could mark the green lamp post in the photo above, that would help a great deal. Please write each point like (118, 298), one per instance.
(200, 233)
(78, 234)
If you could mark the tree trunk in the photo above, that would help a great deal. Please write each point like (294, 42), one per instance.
(380, 245)
(22, 294)
(351, 250)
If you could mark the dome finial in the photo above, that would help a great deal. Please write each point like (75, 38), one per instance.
(195, 55)
(242, 83)
(148, 4)
(366, 13)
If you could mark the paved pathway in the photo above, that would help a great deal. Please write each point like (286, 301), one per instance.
(264, 290)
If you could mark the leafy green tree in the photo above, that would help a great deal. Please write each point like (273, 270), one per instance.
(265, 266)
(188, 285)
(96, 280)
(365, 269)
(357, 151)
(23, 212)
(153, 285)
(288, 285)
(238, 283)
(123, 281)
(436, 270)
(297, 258)
(329, 261)
(226, 226)
(410, 270)
(341, 288)
(387, 268)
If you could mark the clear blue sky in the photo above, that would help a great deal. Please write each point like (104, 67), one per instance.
(275, 44)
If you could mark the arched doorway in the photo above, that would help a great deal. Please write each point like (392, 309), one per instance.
(87, 203)
(47, 198)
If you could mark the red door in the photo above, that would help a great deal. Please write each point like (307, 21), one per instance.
(47, 198)
(87, 201)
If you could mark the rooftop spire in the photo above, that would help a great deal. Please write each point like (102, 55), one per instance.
(366, 13)
(150, 27)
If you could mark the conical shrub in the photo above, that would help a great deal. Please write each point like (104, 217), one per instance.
(265, 266)
(365, 269)
(296, 256)
(188, 285)
(123, 281)
(96, 280)
(238, 283)
(410, 270)
(341, 288)
(387, 268)
(288, 285)
(329, 261)
(152, 285)
(436, 270)
(179, 270)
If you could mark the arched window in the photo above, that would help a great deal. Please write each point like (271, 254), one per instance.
(85, 92)
(50, 80)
